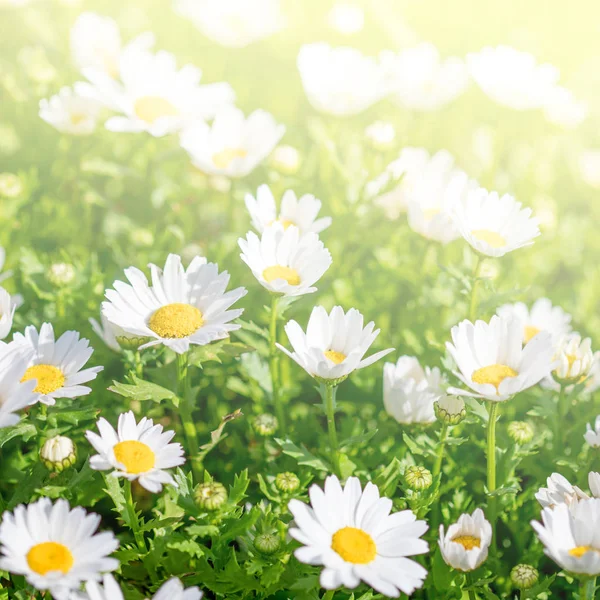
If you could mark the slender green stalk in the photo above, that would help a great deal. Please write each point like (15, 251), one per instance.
(491, 466)
(561, 412)
(328, 393)
(472, 594)
(328, 595)
(139, 365)
(274, 365)
(186, 407)
(474, 287)
(437, 467)
(587, 588)
(133, 520)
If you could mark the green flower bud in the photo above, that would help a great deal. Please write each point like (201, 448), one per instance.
(10, 185)
(520, 432)
(211, 496)
(265, 425)
(450, 409)
(61, 274)
(418, 478)
(131, 342)
(287, 482)
(58, 453)
(524, 576)
(267, 543)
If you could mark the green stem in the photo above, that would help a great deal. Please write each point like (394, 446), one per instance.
(437, 467)
(186, 407)
(471, 592)
(474, 287)
(274, 365)
(587, 589)
(491, 466)
(139, 366)
(328, 393)
(133, 520)
(559, 425)
(328, 595)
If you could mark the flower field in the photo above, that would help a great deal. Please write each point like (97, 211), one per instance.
(299, 300)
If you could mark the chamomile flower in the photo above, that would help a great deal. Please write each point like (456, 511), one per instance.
(106, 332)
(139, 451)
(8, 305)
(574, 357)
(592, 434)
(351, 533)
(340, 81)
(381, 135)
(301, 212)
(512, 78)
(564, 109)
(285, 262)
(181, 307)
(559, 491)
(15, 395)
(494, 225)
(571, 535)
(466, 543)
(55, 547)
(492, 361)
(334, 344)
(234, 145)
(542, 316)
(56, 365)
(420, 80)
(73, 110)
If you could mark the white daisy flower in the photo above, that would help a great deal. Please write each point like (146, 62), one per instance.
(542, 316)
(180, 308)
(559, 491)
(234, 23)
(409, 391)
(285, 262)
(492, 361)
(8, 305)
(381, 134)
(420, 80)
(340, 81)
(139, 451)
(571, 535)
(15, 395)
(575, 358)
(512, 78)
(564, 109)
(105, 330)
(594, 483)
(494, 225)
(73, 110)
(233, 145)
(301, 212)
(334, 344)
(353, 535)
(592, 435)
(346, 18)
(54, 546)
(56, 365)
(286, 159)
(592, 382)
(466, 543)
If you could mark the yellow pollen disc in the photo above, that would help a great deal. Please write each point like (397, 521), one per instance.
(494, 374)
(571, 358)
(49, 378)
(493, 239)
(530, 331)
(468, 542)
(135, 456)
(150, 108)
(354, 545)
(176, 320)
(579, 551)
(285, 222)
(49, 556)
(77, 118)
(223, 159)
(335, 357)
(277, 272)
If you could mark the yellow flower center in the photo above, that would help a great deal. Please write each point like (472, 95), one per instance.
(49, 378)
(530, 331)
(494, 374)
(278, 272)
(429, 213)
(49, 556)
(579, 551)
(135, 456)
(354, 545)
(176, 320)
(335, 357)
(468, 542)
(493, 239)
(151, 108)
(223, 159)
(285, 222)
(77, 118)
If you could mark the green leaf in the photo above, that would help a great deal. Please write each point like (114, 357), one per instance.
(143, 390)
(237, 492)
(357, 440)
(477, 408)
(22, 429)
(301, 455)
(213, 352)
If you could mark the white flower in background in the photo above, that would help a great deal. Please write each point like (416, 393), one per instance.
(174, 590)
(73, 110)
(56, 365)
(301, 212)
(494, 225)
(139, 451)
(409, 391)
(15, 395)
(6, 274)
(234, 145)
(353, 535)
(340, 81)
(346, 18)
(542, 316)
(574, 358)
(420, 80)
(54, 546)
(589, 167)
(465, 545)
(286, 159)
(233, 23)
(8, 305)
(105, 330)
(559, 491)
(285, 262)
(571, 536)
(492, 361)
(592, 383)
(180, 308)
(594, 483)
(592, 435)
(334, 344)
(513, 78)
(562, 108)
(381, 135)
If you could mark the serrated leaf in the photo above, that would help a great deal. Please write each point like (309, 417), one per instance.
(301, 455)
(143, 390)
(22, 429)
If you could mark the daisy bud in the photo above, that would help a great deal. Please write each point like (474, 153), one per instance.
(127, 342)
(520, 432)
(287, 482)
(265, 425)
(574, 357)
(450, 409)
(524, 576)
(61, 274)
(267, 543)
(10, 185)
(286, 159)
(418, 478)
(211, 496)
(58, 453)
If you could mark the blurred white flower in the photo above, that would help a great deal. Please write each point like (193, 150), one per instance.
(233, 23)
(285, 159)
(561, 107)
(592, 435)
(346, 18)
(73, 110)
(589, 167)
(380, 134)
(420, 80)
(8, 305)
(559, 491)
(234, 145)
(594, 483)
(340, 81)
(574, 358)
(105, 330)
(592, 383)
(15, 394)
(513, 78)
